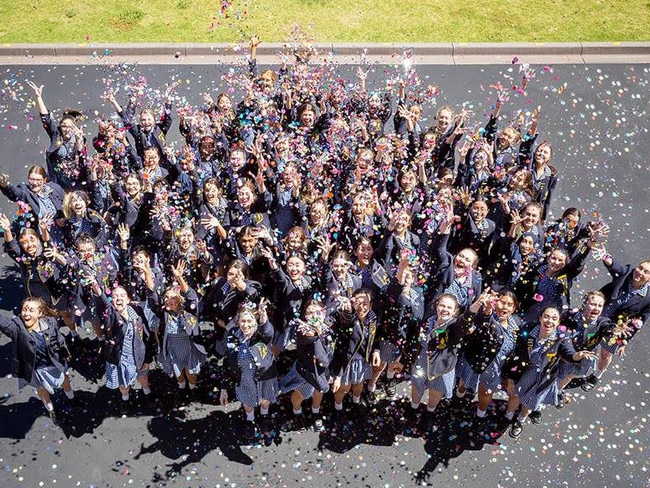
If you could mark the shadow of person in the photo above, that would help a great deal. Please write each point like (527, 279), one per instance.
(456, 430)
(18, 418)
(12, 289)
(87, 358)
(377, 425)
(88, 411)
(191, 440)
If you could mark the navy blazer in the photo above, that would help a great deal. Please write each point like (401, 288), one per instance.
(23, 363)
(23, 193)
(637, 306)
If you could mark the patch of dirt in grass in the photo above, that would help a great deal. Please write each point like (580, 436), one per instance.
(127, 19)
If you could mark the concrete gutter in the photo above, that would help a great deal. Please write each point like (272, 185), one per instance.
(444, 53)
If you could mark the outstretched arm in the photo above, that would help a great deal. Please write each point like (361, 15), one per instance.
(38, 93)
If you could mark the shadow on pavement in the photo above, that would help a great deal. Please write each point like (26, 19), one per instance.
(177, 438)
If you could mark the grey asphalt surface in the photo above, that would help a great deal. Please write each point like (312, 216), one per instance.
(594, 115)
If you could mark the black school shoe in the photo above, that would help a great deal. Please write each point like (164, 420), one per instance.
(54, 417)
(535, 417)
(250, 430)
(516, 428)
(390, 389)
(590, 383)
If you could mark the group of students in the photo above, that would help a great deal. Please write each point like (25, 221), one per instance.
(317, 249)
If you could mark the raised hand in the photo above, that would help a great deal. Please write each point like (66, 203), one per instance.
(38, 89)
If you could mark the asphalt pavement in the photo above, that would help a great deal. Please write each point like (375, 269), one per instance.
(594, 115)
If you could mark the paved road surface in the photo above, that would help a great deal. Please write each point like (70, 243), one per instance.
(596, 118)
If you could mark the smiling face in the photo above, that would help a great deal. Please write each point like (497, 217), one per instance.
(233, 275)
(593, 307)
(464, 261)
(402, 222)
(548, 322)
(224, 103)
(307, 117)
(185, 239)
(78, 205)
(247, 323)
(507, 138)
(267, 80)
(359, 206)
(408, 278)
(151, 158)
(518, 181)
(237, 160)
(641, 274)
(340, 267)
(295, 268)
(247, 244)
(478, 211)
(363, 252)
(29, 243)
(295, 240)
(245, 196)
(526, 245)
(446, 308)
(31, 312)
(172, 301)
(120, 299)
(408, 181)
(85, 251)
(543, 155)
(290, 175)
(67, 126)
(36, 182)
(531, 216)
(556, 261)
(147, 121)
(444, 119)
(317, 212)
(133, 186)
(361, 304)
(505, 307)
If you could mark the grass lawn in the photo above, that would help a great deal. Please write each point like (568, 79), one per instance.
(68, 21)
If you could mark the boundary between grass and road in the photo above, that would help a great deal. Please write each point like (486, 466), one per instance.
(352, 53)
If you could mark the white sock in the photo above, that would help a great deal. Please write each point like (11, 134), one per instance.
(192, 386)
(338, 406)
(250, 416)
(146, 390)
(264, 410)
(414, 406)
(522, 418)
(390, 375)
(181, 385)
(315, 411)
(49, 406)
(125, 397)
(69, 393)
(459, 394)
(431, 409)
(356, 399)
(598, 373)
(372, 388)
(480, 413)
(510, 415)
(297, 412)
(74, 333)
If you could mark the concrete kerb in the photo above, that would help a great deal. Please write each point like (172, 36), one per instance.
(445, 53)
